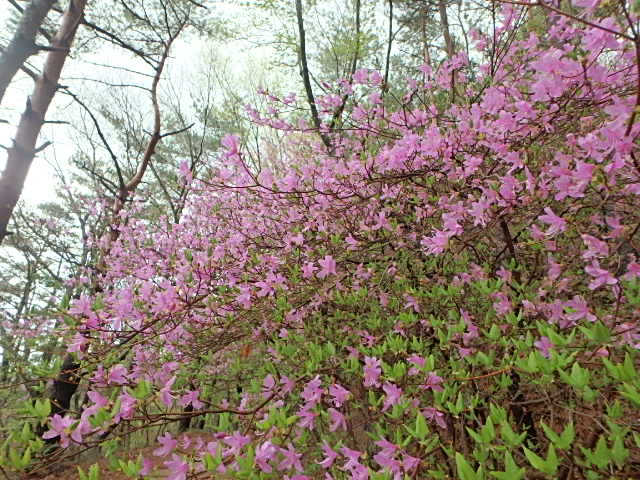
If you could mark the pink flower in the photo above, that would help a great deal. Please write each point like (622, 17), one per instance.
(165, 392)
(244, 298)
(595, 247)
(191, 398)
(328, 266)
(231, 142)
(585, 3)
(393, 394)
(236, 442)
(268, 385)
(287, 384)
(178, 468)
(633, 271)
(418, 363)
(411, 303)
(409, 463)
(127, 407)
(264, 454)
(544, 346)
(601, 276)
(147, 467)
(372, 371)
(307, 418)
(168, 443)
(330, 456)
(291, 459)
(59, 428)
(385, 457)
(361, 76)
(435, 415)
(337, 420)
(557, 224)
(339, 394)
(433, 382)
(352, 458)
(312, 391)
(118, 375)
(580, 310)
(308, 269)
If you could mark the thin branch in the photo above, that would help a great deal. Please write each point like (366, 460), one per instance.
(176, 132)
(568, 15)
(304, 72)
(96, 124)
(389, 42)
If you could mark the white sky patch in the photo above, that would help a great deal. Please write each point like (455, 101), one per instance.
(186, 60)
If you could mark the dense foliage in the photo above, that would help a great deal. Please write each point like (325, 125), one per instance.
(450, 289)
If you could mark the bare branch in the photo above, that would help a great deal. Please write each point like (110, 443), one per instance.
(304, 71)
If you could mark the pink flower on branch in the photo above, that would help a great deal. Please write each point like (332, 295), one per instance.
(433, 382)
(291, 459)
(600, 276)
(372, 372)
(327, 266)
(556, 224)
(330, 456)
(60, 427)
(339, 394)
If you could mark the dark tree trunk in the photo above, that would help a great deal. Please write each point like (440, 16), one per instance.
(64, 386)
(185, 421)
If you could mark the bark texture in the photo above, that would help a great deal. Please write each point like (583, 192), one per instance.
(23, 150)
(23, 43)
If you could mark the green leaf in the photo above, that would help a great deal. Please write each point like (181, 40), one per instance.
(511, 469)
(142, 390)
(631, 393)
(42, 408)
(26, 457)
(478, 438)
(548, 466)
(535, 461)
(465, 472)
(421, 427)
(488, 432)
(567, 437)
(618, 451)
(628, 368)
(600, 456)
(562, 441)
(510, 437)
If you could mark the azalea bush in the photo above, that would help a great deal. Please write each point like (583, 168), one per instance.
(450, 289)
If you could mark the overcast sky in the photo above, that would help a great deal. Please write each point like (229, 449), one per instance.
(186, 58)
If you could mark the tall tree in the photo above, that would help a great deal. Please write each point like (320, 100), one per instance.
(23, 151)
(23, 43)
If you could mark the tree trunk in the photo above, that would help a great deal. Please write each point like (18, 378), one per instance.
(304, 72)
(23, 150)
(62, 391)
(23, 44)
(444, 21)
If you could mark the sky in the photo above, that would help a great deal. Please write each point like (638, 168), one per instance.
(186, 58)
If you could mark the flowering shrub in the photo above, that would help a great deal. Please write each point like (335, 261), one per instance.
(450, 291)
